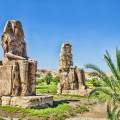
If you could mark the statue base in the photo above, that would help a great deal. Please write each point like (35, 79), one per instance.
(81, 92)
(40, 101)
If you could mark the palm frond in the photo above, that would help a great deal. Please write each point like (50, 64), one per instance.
(118, 59)
(111, 65)
(96, 69)
(109, 113)
(114, 109)
(101, 89)
(118, 115)
(113, 113)
(99, 73)
(111, 84)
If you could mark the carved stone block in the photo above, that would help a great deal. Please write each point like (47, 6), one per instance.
(5, 80)
(40, 101)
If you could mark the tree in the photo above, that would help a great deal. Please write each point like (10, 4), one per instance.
(48, 78)
(110, 84)
(113, 113)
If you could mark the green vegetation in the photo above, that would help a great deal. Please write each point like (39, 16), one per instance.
(48, 84)
(61, 109)
(113, 113)
(48, 78)
(82, 109)
(110, 87)
(44, 88)
(93, 83)
(57, 113)
(64, 105)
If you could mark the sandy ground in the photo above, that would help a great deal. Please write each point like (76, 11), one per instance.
(97, 112)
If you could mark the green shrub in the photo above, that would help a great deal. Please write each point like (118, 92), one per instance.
(96, 83)
(43, 88)
(82, 109)
(59, 112)
(93, 83)
(56, 79)
(48, 78)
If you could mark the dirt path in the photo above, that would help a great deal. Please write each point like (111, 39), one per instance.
(97, 112)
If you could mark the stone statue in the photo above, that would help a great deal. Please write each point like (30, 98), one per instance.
(65, 57)
(32, 71)
(16, 80)
(18, 72)
(13, 39)
(66, 81)
(71, 78)
(23, 70)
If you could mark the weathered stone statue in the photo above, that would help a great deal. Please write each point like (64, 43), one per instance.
(71, 78)
(65, 57)
(23, 70)
(16, 86)
(13, 39)
(17, 71)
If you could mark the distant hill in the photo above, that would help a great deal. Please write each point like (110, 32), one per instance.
(44, 72)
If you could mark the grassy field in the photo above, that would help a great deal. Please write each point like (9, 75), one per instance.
(44, 88)
(64, 106)
(57, 113)
(61, 110)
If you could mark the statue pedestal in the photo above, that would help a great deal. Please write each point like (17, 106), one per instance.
(81, 92)
(40, 101)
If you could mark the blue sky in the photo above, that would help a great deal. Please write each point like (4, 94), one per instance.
(91, 26)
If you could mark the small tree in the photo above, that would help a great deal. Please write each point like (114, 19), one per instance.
(48, 78)
(56, 79)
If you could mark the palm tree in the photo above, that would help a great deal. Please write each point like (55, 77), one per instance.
(110, 84)
(113, 113)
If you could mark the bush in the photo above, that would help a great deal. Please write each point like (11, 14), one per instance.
(94, 82)
(48, 78)
(82, 109)
(43, 88)
(56, 80)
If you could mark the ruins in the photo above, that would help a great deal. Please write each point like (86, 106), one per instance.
(18, 71)
(72, 78)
